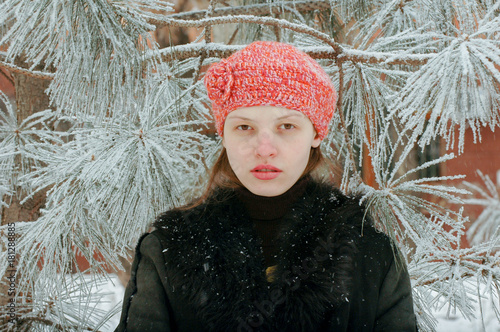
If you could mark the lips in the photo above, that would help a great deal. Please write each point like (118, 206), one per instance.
(266, 172)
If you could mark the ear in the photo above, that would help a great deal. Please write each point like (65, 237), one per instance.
(316, 141)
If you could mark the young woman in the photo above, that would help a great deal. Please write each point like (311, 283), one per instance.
(268, 248)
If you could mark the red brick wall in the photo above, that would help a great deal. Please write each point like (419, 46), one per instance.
(484, 155)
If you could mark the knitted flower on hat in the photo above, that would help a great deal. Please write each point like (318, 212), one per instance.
(275, 74)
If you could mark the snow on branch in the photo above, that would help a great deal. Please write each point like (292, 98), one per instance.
(365, 97)
(454, 276)
(385, 58)
(281, 23)
(135, 146)
(256, 9)
(105, 186)
(488, 222)
(32, 73)
(392, 17)
(459, 87)
(20, 148)
(62, 303)
(90, 44)
(401, 202)
(429, 234)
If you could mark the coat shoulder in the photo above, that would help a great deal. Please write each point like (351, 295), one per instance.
(339, 207)
(351, 213)
(221, 200)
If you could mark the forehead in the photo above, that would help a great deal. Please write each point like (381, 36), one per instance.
(264, 112)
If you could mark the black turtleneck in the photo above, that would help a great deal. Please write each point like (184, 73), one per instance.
(267, 214)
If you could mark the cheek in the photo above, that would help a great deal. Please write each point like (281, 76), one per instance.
(298, 156)
(299, 153)
(301, 147)
(306, 153)
(238, 155)
(237, 151)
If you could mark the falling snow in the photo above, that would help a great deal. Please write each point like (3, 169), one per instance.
(411, 72)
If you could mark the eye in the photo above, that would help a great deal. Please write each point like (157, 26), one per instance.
(244, 127)
(287, 126)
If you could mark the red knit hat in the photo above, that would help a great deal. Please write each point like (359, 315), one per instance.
(275, 74)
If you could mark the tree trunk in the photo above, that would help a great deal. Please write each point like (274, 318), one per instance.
(30, 98)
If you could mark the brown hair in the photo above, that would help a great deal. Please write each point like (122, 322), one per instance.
(222, 175)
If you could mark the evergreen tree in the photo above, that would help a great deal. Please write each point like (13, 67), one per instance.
(117, 134)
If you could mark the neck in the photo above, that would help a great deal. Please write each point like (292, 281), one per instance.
(269, 208)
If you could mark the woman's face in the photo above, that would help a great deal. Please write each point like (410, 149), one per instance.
(268, 147)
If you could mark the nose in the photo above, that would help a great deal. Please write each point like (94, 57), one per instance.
(266, 145)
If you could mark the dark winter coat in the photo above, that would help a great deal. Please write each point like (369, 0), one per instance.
(203, 270)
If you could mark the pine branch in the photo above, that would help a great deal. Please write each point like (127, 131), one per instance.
(256, 10)
(385, 58)
(208, 38)
(351, 169)
(182, 52)
(195, 50)
(253, 19)
(131, 142)
(32, 73)
(59, 303)
(489, 220)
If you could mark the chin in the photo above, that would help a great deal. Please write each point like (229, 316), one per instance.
(268, 189)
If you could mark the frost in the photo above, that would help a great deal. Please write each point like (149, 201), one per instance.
(89, 43)
(488, 222)
(407, 72)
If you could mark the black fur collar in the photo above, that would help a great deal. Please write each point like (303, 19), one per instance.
(215, 260)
